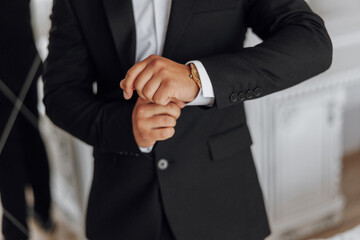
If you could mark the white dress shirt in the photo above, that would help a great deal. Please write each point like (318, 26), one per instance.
(151, 21)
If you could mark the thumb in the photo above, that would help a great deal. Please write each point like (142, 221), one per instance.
(180, 104)
(127, 91)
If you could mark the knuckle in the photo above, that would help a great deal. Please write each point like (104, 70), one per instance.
(157, 100)
(146, 93)
(166, 120)
(164, 134)
(172, 106)
(158, 121)
(141, 110)
(137, 85)
(172, 122)
(174, 109)
(177, 112)
(170, 132)
(152, 56)
(163, 71)
(130, 73)
(127, 84)
(156, 62)
(167, 133)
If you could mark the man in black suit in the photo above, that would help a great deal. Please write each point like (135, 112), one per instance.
(23, 158)
(197, 180)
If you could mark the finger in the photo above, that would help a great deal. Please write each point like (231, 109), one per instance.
(153, 109)
(164, 94)
(127, 84)
(142, 101)
(161, 134)
(178, 103)
(150, 88)
(161, 121)
(142, 79)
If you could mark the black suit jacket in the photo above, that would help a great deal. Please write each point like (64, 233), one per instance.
(210, 189)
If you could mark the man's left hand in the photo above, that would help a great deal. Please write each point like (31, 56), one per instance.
(160, 80)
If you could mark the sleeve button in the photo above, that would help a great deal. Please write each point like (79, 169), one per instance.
(249, 94)
(258, 92)
(234, 98)
(242, 96)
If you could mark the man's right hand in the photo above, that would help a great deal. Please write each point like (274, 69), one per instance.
(152, 122)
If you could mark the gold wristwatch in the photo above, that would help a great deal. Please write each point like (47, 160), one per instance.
(195, 75)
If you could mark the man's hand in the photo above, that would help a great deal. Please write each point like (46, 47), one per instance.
(160, 80)
(152, 122)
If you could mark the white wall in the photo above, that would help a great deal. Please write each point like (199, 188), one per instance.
(343, 22)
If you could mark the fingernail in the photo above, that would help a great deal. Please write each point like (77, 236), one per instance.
(126, 96)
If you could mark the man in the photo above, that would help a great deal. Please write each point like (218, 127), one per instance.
(23, 157)
(163, 170)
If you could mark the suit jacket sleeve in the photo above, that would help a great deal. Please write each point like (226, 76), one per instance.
(295, 47)
(68, 89)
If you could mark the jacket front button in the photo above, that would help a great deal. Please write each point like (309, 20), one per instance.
(234, 98)
(249, 94)
(163, 164)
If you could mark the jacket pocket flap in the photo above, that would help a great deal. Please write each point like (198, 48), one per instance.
(208, 6)
(230, 142)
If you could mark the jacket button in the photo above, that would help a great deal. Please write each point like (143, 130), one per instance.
(257, 92)
(249, 94)
(234, 98)
(163, 164)
(242, 96)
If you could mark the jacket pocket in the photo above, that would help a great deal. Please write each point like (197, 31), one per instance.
(230, 142)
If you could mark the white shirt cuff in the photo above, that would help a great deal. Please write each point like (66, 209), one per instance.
(147, 149)
(206, 95)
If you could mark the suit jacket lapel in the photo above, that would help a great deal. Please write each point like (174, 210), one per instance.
(120, 16)
(122, 24)
(180, 16)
